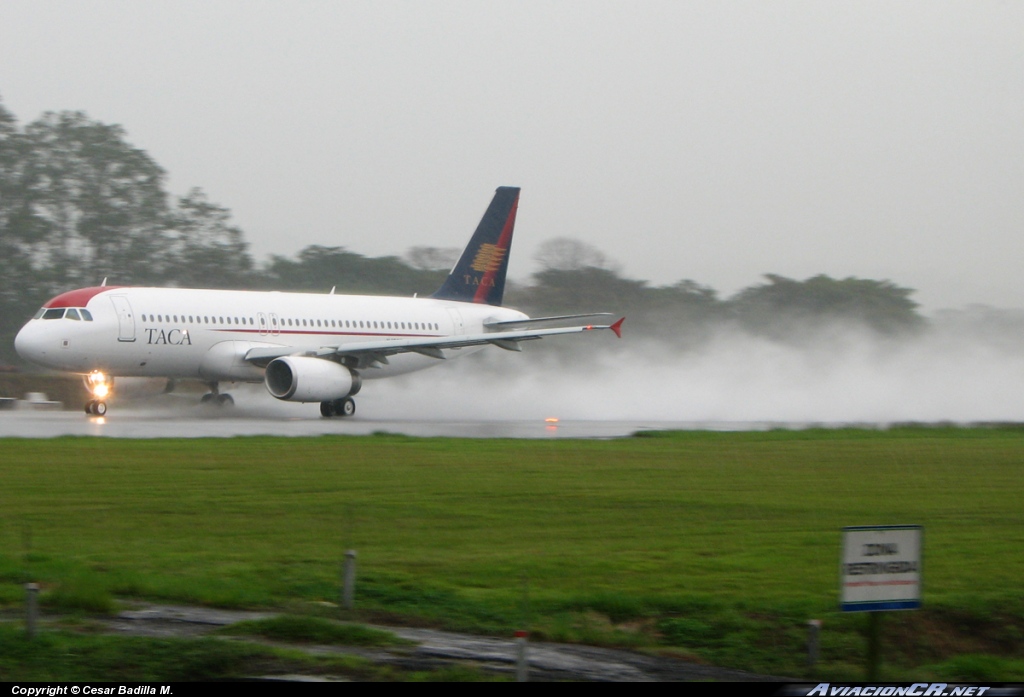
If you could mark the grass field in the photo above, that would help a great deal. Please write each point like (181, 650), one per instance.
(717, 546)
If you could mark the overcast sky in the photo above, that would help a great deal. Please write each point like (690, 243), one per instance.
(715, 141)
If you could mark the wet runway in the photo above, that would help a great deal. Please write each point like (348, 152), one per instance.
(193, 421)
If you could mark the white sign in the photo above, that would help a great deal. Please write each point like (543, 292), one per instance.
(881, 568)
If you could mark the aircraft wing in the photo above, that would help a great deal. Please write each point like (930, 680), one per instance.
(537, 321)
(369, 353)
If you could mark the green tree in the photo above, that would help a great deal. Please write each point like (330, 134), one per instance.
(206, 250)
(21, 289)
(319, 268)
(432, 258)
(569, 254)
(783, 306)
(79, 203)
(98, 203)
(575, 276)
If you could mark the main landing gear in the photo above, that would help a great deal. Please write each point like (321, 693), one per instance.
(217, 399)
(346, 406)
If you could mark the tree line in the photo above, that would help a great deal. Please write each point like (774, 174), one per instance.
(79, 203)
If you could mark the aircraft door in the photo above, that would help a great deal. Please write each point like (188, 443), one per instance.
(125, 318)
(262, 318)
(275, 327)
(457, 326)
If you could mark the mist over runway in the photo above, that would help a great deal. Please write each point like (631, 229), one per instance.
(966, 367)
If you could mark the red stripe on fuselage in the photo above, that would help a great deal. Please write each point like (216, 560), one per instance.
(78, 298)
(310, 333)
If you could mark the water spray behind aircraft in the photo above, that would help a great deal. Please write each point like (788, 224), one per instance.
(966, 367)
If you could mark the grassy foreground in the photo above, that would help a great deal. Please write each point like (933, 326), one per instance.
(716, 546)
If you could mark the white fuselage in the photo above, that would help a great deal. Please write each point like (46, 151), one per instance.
(205, 334)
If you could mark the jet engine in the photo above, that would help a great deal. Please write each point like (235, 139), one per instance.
(307, 379)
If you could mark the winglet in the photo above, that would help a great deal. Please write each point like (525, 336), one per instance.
(617, 327)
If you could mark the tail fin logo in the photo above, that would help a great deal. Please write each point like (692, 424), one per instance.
(489, 258)
(479, 274)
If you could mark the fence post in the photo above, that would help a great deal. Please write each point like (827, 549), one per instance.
(813, 632)
(32, 608)
(348, 590)
(522, 664)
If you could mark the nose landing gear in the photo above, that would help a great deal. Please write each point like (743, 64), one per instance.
(95, 407)
(101, 387)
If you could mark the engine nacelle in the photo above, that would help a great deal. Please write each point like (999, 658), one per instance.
(307, 379)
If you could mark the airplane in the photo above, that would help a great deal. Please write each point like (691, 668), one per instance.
(304, 347)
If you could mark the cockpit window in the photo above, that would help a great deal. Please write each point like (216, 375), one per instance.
(39, 314)
(86, 315)
(54, 313)
(73, 314)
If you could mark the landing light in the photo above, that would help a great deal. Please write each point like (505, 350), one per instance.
(98, 384)
(551, 420)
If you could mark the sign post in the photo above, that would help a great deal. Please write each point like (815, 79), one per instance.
(880, 571)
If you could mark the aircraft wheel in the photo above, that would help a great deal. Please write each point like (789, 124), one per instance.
(346, 406)
(225, 400)
(206, 398)
(327, 409)
(99, 408)
(89, 406)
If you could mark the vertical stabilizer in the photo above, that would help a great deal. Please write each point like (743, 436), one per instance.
(479, 275)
